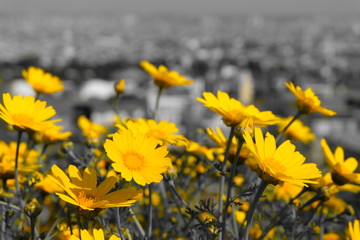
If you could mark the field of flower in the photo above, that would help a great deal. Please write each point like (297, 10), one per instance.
(143, 179)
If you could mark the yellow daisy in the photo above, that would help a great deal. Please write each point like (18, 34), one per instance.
(82, 190)
(342, 171)
(163, 131)
(7, 159)
(277, 165)
(234, 113)
(136, 156)
(51, 135)
(97, 234)
(120, 87)
(91, 130)
(354, 230)
(198, 149)
(26, 113)
(41, 81)
(164, 78)
(297, 130)
(307, 102)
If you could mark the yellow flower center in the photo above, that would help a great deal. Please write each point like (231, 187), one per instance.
(156, 133)
(86, 200)
(133, 161)
(274, 165)
(22, 119)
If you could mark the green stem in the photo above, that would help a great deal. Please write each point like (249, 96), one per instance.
(32, 226)
(222, 178)
(150, 214)
(157, 103)
(250, 213)
(118, 223)
(17, 162)
(137, 223)
(279, 136)
(230, 184)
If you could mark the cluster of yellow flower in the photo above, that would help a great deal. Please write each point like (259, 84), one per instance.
(144, 166)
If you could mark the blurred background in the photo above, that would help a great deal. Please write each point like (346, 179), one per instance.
(246, 48)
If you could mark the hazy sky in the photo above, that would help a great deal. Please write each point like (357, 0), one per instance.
(184, 6)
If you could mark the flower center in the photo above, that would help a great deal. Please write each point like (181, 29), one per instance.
(22, 119)
(274, 165)
(156, 133)
(133, 161)
(86, 200)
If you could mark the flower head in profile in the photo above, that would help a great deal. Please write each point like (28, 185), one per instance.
(7, 159)
(297, 130)
(277, 165)
(91, 130)
(41, 81)
(354, 230)
(51, 135)
(163, 78)
(342, 171)
(136, 156)
(234, 113)
(26, 113)
(82, 190)
(97, 234)
(307, 102)
(119, 87)
(163, 131)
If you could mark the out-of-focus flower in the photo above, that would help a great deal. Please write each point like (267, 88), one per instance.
(91, 130)
(285, 192)
(26, 113)
(342, 171)
(198, 149)
(41, 81)
(277, 165)
(234, 113)
(51, 135)
(33, 208)
(164, 78)
(119, 87)
(136, 156)
(307, 102)
(297, 130)
(354, 230)
(82, 190)
(163, 131)
(27, 159)
(97, 234)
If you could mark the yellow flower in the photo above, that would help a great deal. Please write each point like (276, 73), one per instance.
(297, 130)
(137, 157)
(342, 171)
(234, 113)
(41, 81)
(51, 135)
(354, 230)
(198, 149)
(307, 102)
(282, 164)
(91, 130)
(164, 78)
(120, 87)
(82, 190)
(285, 192)
(26, 113)
(163, 131)
(97, 234)
(7, 159)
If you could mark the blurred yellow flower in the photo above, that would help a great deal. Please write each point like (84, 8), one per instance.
(51, 135)
(82, 190)
(90, 130)
(297, 130)
(26, 113)
(97, 234)
(163, 131)
(307, 102)
(198, 149)
(354, 230)
(120, 87)
(41, 81)
(136, 156)
(164, 78)
(7, 159)
(234, 113)
(277, 165)
(342, 171)
(285, 192)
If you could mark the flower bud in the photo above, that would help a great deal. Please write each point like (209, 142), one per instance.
(33, 208)
(120, 87)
